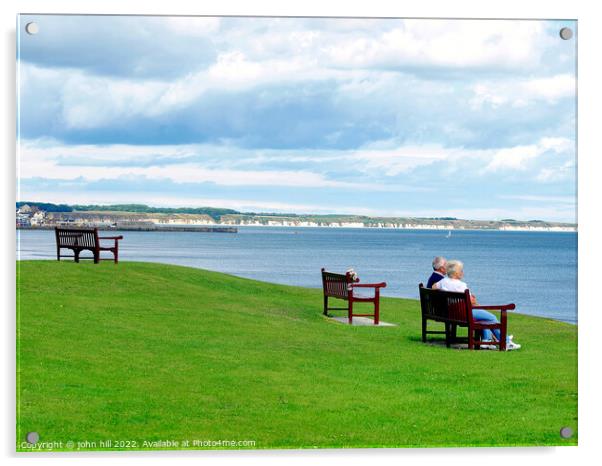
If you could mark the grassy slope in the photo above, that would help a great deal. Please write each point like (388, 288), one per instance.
(144, 351)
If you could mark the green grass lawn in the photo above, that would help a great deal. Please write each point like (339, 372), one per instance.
(150, 352)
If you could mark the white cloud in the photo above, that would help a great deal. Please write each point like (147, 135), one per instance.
(445, 43)
(553, 87)
(362, 60)
(192, 26)
(522, 92)
(519, 157)
(564, 171)
(87, 101)
(515, 158)
(230, 165)
(90, 102)
(41, 161)
(388, 43)
(392, 162)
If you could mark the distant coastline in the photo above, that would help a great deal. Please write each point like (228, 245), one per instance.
(410, 226)
(190, 229)
(144, 218)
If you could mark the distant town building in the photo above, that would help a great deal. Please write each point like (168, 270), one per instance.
(23, 220)
(25, 209)
(38, 218)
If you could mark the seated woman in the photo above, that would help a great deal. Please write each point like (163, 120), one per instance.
(453, 282)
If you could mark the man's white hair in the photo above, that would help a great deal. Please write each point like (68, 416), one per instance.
(454, 268)
(438, 262)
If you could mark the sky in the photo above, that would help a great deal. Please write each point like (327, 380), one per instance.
(472, 119)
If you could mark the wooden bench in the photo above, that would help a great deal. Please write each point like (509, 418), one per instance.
(455, 310)
(342, 287)
(82, 239)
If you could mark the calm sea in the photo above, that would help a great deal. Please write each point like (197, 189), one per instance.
(535, 270)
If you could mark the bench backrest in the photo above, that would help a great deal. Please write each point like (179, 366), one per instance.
(83, 238)
(445, 305)
(336, 284)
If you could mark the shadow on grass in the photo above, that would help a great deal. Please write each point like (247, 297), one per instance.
(460, 343)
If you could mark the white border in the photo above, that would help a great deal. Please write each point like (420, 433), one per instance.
(590, 129)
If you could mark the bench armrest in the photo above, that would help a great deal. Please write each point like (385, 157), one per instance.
(501, 307)
(110, 237)
(369, 285)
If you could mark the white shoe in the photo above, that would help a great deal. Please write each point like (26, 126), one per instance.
(512, 346)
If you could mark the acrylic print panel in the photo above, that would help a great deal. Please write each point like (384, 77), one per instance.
(228, 161)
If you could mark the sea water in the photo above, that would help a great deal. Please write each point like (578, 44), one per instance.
(535, 270)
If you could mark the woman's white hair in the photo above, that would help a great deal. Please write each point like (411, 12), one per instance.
(454, 268)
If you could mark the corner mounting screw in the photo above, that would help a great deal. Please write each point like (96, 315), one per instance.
(566, 432)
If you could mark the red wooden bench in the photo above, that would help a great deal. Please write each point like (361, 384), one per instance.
(455, 310)
(341, 286)
(81, 239)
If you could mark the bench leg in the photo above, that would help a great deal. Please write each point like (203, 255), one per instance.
(96, 257)
(58, 254)
(116, 255)
(350, 312)
(376, 311)
(503, 330)
(423, 330)
(470, 338)
(447, 334)
(325, 306)
(76, 255)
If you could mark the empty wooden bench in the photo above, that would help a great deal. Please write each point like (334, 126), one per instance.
(341, 286)
(455, 310)
(81, 239)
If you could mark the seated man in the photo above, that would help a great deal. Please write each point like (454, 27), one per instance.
(453, 282)
(439, 271)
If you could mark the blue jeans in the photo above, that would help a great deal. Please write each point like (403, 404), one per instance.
(484, 316)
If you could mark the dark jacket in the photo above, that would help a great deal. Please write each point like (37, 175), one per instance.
(434, 278)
